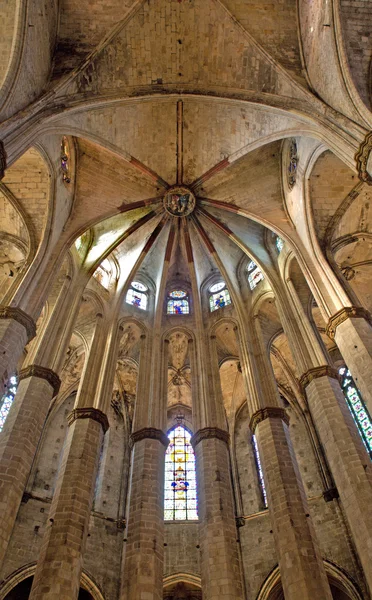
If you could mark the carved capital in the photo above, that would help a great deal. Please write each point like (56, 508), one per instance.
(149, 433)
(42, 373)
(269, 412)
(362, 158)
(12, 312)
(311, 374)
(349, 312)
(208, 433)
(2, 160)
(89, 413)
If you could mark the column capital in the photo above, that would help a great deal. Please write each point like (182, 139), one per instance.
(348, 312)
(42, 373)
(208, 433)
(149, 433)
(315, 373)
(89, 413)
(17, 314)
(269, 412)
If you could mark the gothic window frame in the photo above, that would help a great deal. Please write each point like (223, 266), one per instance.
(139, 292)
(8, 398)
(175, 299)
(357, 407)
(218, 295)
(279, 244)
(186, 484)
(253, 268)
(259, 470)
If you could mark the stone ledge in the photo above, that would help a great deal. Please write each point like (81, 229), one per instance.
(349, 312)
(149, 433)
(42, 373)
(269, 412)
(208, 433)
(311, 374)
(17, 314)
(88, 413)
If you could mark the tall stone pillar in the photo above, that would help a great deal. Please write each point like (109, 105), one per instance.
(16, 330)
(351, 328)
(300, 562)
(38, 384)
(59, 566)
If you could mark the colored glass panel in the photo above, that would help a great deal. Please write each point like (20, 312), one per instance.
(217, 287)
(279, 244)
(178, 307)
(180, 499)
(140, 287)
(254, 277)
(178, 294)
(259, 469)
(219, 300)
(136, 298)
(7, 400)
(357, 407)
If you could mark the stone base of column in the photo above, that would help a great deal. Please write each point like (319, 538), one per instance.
(16, 329)
(59, 566)
(144, 546)
(220, 561)
(19, 440)
(300, 562)
(348, 459)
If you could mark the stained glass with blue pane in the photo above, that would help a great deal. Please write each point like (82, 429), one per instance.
(357, 407)
(259, 469)
(7, 399)
(180, 499)
(219, 300)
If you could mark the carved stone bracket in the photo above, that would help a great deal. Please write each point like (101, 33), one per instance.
(362, 159)
(331, 494)
(269, 412)
(311, 374)
(240, 522)
(349, 312)
(149, 433)
(89, 413)
(42, 373)
(12, 312)
(209, 433)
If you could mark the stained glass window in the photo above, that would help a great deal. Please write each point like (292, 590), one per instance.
(178, 303)
(180, 501)
(7, 400)
(255, 274)
(357, 407)
(259, 470)
(220, 297)
(279, 243)
(136, 295)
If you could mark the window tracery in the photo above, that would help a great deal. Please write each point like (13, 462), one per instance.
(180, 497)
(255, 274)
(357, 407)
(7, 400)
(259, 470)
(178, 303)
(219, 296)
(137, 295)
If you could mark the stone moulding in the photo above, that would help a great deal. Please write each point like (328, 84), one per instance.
(42, 373)
(17, 314)
(349, 312)
(362, 159)
(208, 433)
(149, 433)
(88, 413)
(269, 412)
(311, 374)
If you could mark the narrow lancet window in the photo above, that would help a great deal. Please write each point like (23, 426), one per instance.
(178, 303)
(219, 296)
(357, 407)
(137, 295)
(180, 501)
(259, 470)
(255, 274)
(279, 243)
(7, 400)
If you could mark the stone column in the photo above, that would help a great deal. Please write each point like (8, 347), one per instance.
(220, 560)
(16, 330)
(144, 546)
(60, 562)
(351, 328)
(300, 562)
(347, 456)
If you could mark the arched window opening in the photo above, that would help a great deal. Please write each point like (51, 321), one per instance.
(259, 470)
(7, 400)
(178, 303)
(255, 275)
(137, 295)
(219, 296)
(180, 499)
(103, 273)
(279, 243)
(357, 407)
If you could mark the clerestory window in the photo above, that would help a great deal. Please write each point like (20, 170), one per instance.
(178, 303)
(357, 407)
(180, 499)
(7, 400)
(255, 274)
(219, 296)
(137, 295)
